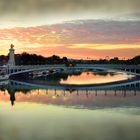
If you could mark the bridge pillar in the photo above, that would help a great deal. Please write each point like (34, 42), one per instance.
(115, 94)
(95, 92)
(105, 92)
(64, 92)
(55, 91)
(77, 93)
(46, 91)
(135, 93)
(124, 95)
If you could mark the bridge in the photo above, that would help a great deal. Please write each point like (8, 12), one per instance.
(12, 69)
(130, 69)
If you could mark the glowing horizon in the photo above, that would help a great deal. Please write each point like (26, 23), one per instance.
(84, 39)
(73, 28)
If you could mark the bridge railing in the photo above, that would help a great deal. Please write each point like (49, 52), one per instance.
(127, 68)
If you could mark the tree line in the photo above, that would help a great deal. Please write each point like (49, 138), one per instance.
(34, 59)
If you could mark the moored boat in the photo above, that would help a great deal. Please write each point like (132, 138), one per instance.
(3, 73)
(4, 82)
(4, 77)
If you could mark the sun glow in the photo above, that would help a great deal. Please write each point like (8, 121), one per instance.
(80, 40)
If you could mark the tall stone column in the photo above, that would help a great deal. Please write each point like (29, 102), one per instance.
(11, 61)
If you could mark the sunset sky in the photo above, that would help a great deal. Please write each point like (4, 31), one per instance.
(79, 29)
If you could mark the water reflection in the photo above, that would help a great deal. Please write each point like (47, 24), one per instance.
(86, 98)
(76, 77)
(43, 113)
(39, 122)
(95, 78)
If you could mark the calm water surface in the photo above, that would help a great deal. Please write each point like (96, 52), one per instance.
(32, 113)
(95, 78)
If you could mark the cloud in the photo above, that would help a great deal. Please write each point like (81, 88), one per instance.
(78, 32)
(76, 39)
(66, 9)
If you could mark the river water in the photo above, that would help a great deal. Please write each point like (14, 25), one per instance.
(33, 113)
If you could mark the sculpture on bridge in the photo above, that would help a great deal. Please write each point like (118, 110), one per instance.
(11, 61)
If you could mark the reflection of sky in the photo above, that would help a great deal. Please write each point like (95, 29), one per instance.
(39, 122)
(94, 78)
(82, 99)
(49, 114)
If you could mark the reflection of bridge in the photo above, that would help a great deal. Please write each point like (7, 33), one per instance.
(57, 91)
(127, 85)
(12, 69)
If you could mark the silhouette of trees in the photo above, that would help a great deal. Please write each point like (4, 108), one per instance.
(135, 60)
(3, 60)
(34, 59)
(29, 59)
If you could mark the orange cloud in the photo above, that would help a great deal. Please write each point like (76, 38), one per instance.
(75, 40)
